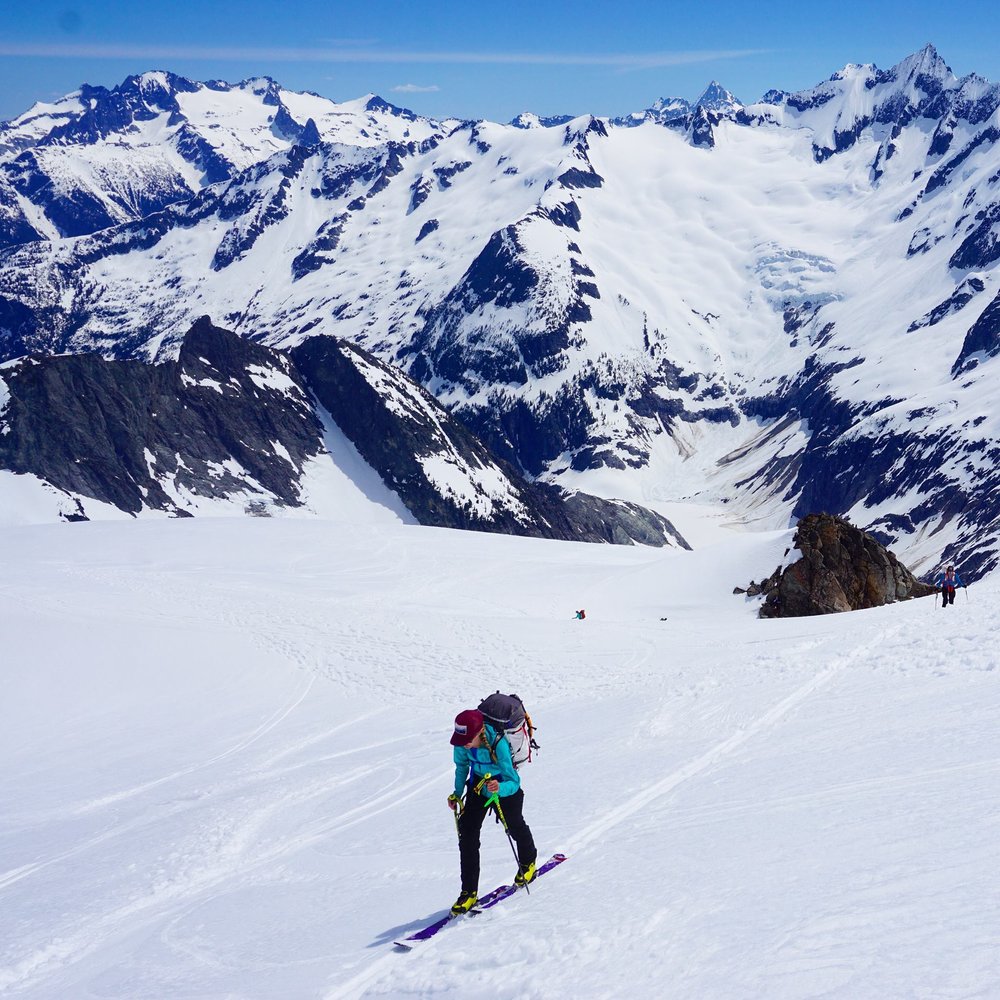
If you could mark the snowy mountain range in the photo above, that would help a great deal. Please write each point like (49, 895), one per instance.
(101, 157)
(780, 307)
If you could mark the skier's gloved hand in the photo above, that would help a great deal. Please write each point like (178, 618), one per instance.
(454, 801)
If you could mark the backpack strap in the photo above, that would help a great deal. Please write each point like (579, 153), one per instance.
(493, 747)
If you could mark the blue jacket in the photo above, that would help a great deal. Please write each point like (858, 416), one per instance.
(473, 763)
(955, 581)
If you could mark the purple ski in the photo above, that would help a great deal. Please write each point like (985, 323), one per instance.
(500, 893)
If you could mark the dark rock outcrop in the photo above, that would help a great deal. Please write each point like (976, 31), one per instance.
(841, 568)
(620, 522)
(982, 341)
(228, 417)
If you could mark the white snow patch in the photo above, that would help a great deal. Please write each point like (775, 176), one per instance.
(204, 383)
(339, 484)
(480, 490)
(26, 500)
(272, 378)
(282, 452)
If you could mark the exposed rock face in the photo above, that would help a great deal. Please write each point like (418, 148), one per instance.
(619, 522)
(443, 474)
(842, 569)
(228, 417)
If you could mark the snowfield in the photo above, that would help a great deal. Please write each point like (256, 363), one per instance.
(224, 762)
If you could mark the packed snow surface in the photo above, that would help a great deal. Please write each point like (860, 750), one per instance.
(224, 761)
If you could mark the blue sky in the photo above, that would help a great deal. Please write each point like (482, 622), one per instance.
(481, 60)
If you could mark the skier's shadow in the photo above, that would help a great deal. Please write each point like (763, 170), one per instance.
(403, 929)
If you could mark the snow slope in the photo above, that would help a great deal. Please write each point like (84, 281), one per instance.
(224, 761)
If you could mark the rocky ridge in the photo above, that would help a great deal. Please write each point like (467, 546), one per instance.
(238, 422)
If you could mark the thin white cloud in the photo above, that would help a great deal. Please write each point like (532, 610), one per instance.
(152, 53)
(415, 88)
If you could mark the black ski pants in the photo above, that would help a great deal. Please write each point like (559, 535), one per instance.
(470, 824)
(947, 596)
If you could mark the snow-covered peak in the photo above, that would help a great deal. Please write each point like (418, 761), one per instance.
(526, 120)
(671, 105)
(39, 120)
(529, 120)
(715, 97)
(357, 105)
(975, 86)
(154, 80)
(259, 84)
(667, 110)
(861, 95)
(925, 63)
(231, 120)
(910, 84)
(774, 97)
(100, 157)
(663, 110)
(155, 90)
(854, 71)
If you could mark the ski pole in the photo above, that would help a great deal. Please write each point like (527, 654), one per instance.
(457, 813)
(494, 800)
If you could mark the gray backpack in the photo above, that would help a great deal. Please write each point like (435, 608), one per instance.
(507, 715)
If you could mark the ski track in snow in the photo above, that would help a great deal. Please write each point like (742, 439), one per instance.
(9, 878)
(236, 849)
(707, 760)
(275, 720)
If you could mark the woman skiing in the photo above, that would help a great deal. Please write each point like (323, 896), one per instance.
(948, 581)
(484, 769)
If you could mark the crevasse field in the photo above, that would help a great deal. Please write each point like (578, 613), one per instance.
(224, 762)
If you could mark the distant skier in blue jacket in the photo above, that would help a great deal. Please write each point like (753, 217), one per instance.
(481, 750)
(948, 581)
